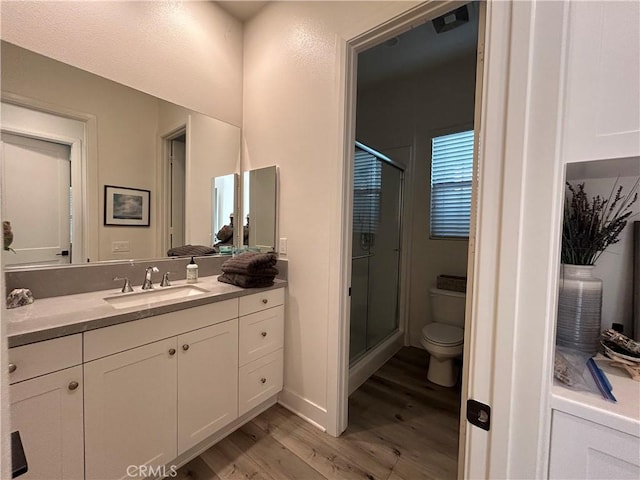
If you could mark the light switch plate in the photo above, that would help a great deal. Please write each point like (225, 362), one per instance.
(120, 246)
(282, 248)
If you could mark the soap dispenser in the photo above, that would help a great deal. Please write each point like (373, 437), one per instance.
(192, 271)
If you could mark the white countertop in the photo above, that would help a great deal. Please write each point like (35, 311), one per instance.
(623, 415)
(59, 316)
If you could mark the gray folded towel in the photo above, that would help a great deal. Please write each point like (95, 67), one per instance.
(250, 262)
(190, 251)
(245, 281)
(263, 272)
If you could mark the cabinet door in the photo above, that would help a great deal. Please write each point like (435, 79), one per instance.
(585, 450)
(47, 411)
(603, 73)
(130, 410)
(207, 382)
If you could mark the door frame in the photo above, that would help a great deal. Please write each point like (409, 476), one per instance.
(163, 218)
(78, 158)
(487, 457)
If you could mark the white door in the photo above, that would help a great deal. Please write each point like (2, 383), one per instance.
(130, 410)
(207, 382)
(37, 200)
(47, 411)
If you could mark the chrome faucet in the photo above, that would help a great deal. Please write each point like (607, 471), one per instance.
(148, 285)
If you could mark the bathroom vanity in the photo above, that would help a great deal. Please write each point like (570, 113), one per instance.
(99, 391)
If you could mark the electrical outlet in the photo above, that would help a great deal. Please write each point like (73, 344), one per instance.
(282, 249)
(119, 247)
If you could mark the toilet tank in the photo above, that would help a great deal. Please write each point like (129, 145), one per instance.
(447, 306)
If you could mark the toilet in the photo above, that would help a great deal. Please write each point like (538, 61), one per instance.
(443, 336)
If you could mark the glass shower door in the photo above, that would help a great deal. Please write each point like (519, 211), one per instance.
(375, 260)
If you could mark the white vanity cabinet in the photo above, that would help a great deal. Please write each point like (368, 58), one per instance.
(130, 409)
(207, 382)
(46, 406)
(602, 118)
(584, 450)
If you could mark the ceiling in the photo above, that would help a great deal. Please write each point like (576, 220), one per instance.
(242, 10)
(417, 49)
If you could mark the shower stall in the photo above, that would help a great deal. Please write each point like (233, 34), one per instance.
(375, 258)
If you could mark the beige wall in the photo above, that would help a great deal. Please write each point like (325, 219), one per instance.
(189, 53)
(126, 126)
(408, 111)
(292, 114)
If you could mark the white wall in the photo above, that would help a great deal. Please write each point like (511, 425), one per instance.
(410, 111)
(189, 53)
(292, 114)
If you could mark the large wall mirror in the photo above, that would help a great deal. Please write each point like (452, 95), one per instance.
(82, 133)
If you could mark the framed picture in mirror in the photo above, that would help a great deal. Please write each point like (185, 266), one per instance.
(126, 206)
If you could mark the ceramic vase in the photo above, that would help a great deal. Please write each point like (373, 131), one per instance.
(579, 309)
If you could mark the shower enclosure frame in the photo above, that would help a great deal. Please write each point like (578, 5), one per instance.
(366, 363)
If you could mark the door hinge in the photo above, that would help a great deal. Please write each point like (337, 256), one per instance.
(479, 414)
(349, 291)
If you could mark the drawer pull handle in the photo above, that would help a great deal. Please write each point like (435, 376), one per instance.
(172, 351)
(73, 385)
(264, 300)
(12, 367)
(185, 347)
(263, 380)
(264, 334)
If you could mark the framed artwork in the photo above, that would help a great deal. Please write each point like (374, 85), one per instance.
(126, 206)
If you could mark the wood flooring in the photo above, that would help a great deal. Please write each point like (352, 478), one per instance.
(401, 427)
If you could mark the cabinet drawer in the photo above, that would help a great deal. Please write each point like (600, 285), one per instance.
(260, 301)
(36, 359)
(259, 380)
(118, 338)
(261, 333)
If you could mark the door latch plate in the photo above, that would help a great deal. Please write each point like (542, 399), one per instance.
(479, 414)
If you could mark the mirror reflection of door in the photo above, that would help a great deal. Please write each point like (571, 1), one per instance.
(178, 156)
(37, 200)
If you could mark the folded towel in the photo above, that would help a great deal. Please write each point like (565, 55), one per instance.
(250, 262)
(246, 281)
(190, 251)
(263, 272)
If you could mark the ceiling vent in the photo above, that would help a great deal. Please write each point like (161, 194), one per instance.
(451, 20)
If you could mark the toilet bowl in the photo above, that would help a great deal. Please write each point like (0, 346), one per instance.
(443, 336)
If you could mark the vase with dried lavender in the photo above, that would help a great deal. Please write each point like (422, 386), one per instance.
(590, 226)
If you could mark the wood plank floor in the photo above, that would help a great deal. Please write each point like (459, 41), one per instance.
(401, 427)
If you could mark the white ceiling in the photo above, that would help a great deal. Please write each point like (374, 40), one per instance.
(242, 10)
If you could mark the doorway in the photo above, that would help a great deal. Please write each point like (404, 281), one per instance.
(395, 116)
(176, 148)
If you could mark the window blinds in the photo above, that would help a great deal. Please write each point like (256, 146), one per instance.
(367, 181)
(451, 175)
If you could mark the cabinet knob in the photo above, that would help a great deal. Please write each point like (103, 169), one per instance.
(264, 334)
(12, 367)
(172, 351)
(73, 385)
(264, 300)
(185, 347)
(263, 380)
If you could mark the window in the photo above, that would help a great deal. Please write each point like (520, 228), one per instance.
(451, 174)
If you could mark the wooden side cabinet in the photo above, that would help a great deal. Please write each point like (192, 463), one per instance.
(47, 410)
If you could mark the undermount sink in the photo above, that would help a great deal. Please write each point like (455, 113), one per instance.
(148, 297)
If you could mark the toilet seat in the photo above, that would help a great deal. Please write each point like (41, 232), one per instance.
(443, 334)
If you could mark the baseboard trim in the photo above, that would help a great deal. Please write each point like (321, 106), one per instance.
(304, 408)
(372, 361)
